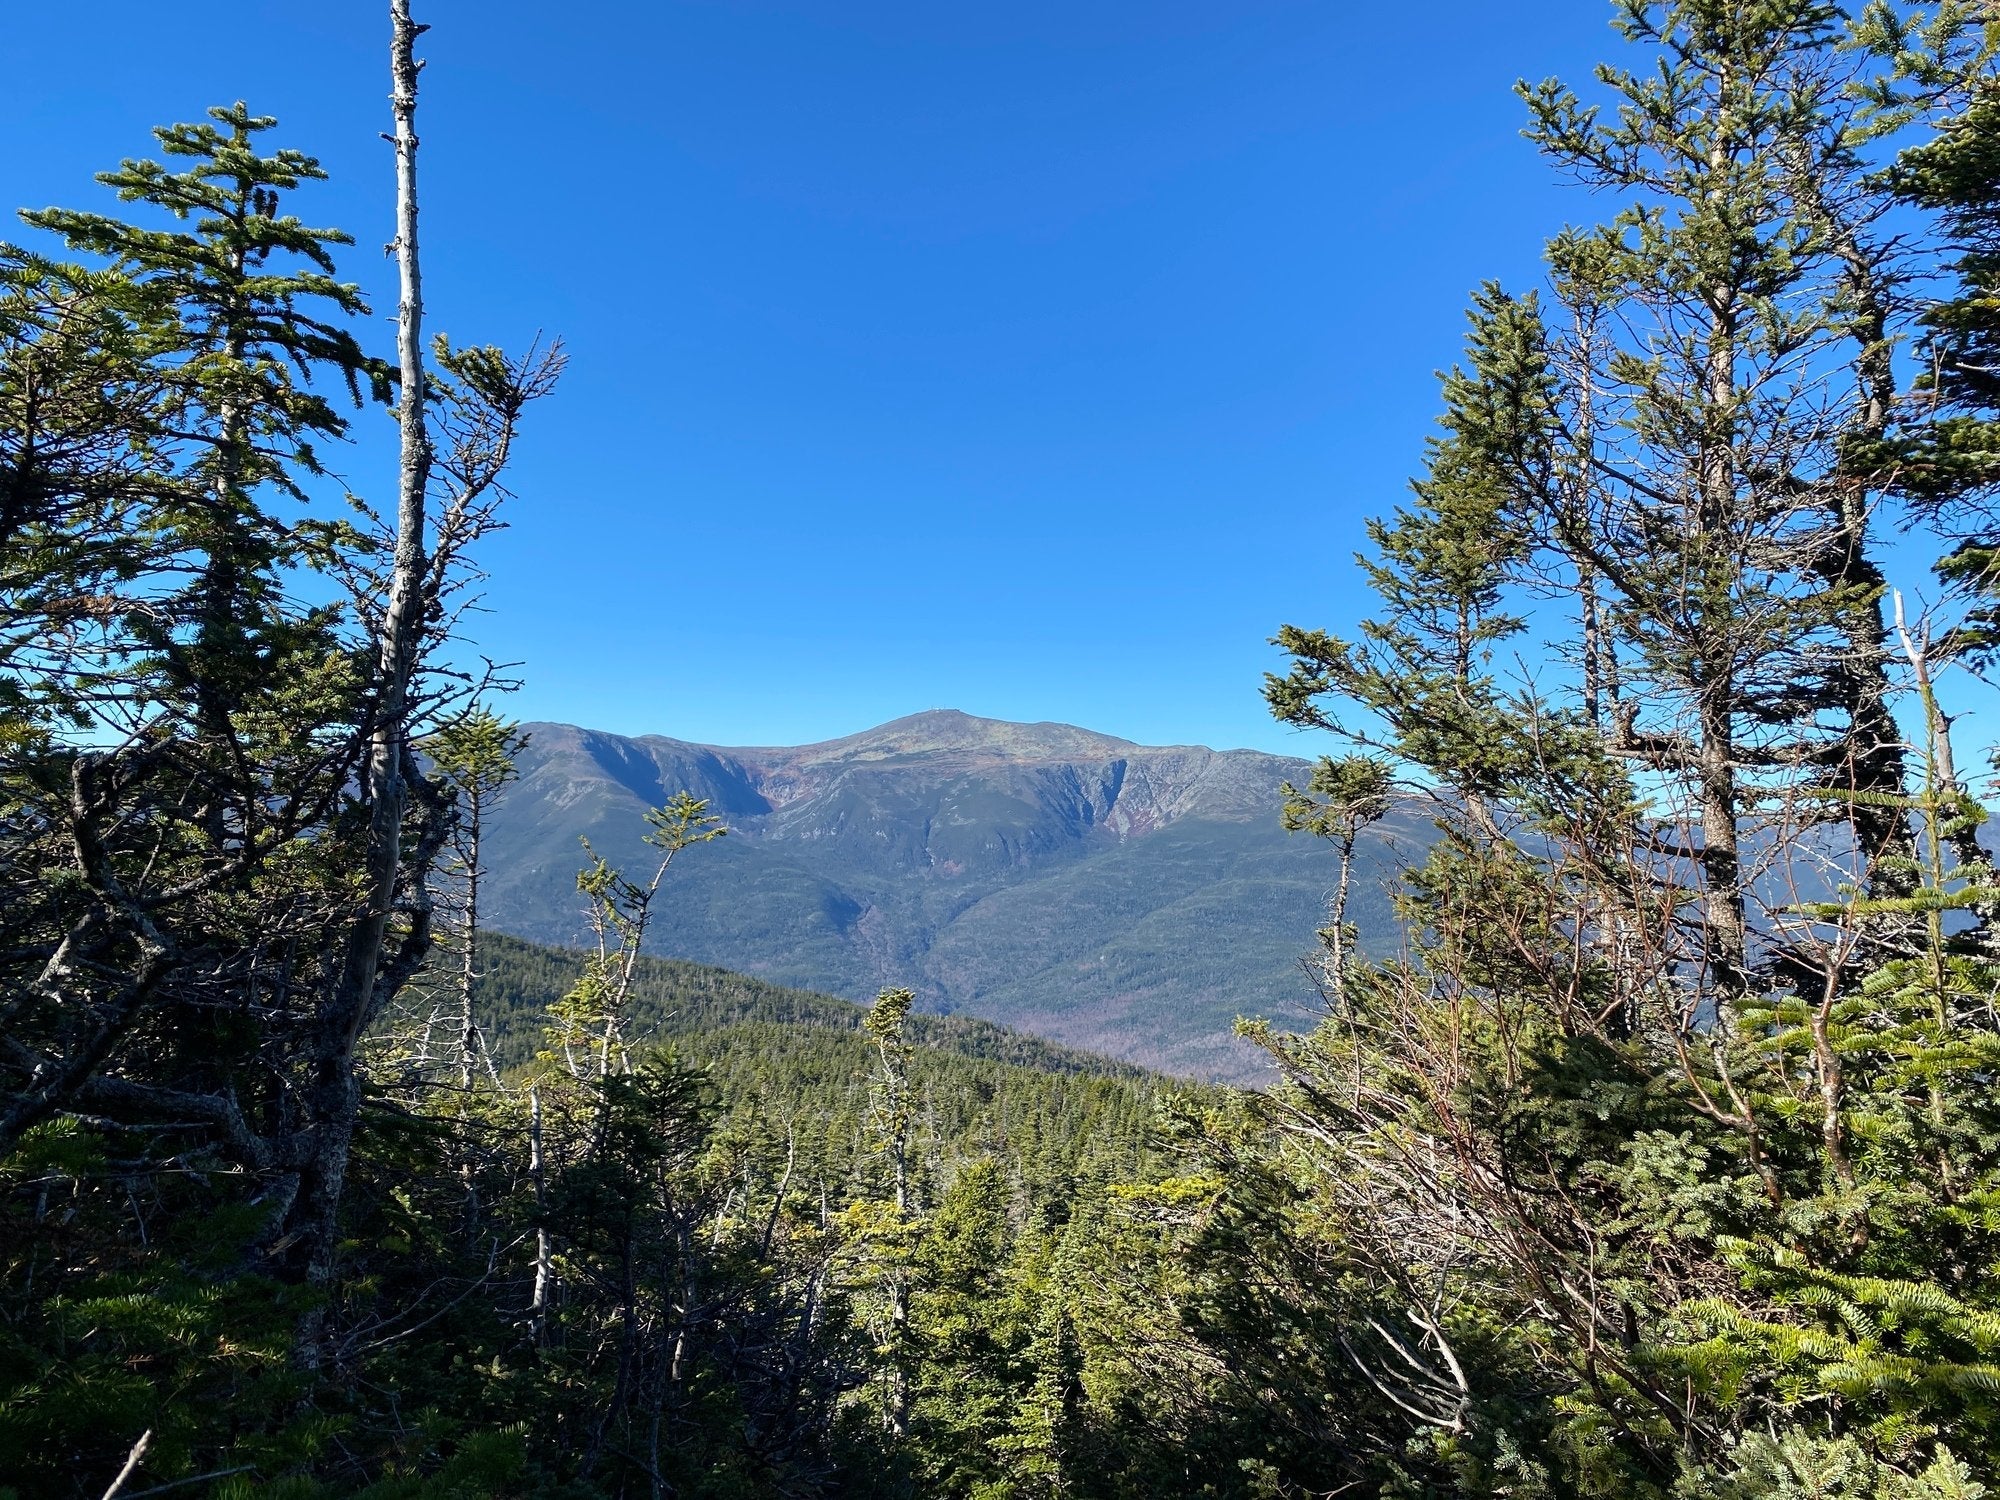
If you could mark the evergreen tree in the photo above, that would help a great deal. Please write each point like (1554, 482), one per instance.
(475, 753)
(888, 1229)
(588, 1029)
(182, 755)
(1940, 449)
(1604, 1069)
(963, 1387)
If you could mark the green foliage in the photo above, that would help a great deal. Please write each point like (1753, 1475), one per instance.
(590, 1018)
(1343, 797)
(1945, 459)
(1670, 1126)
(477, 751)
(184, 728)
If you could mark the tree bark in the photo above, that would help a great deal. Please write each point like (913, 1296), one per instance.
(334, 1095)
(538, 1309)
(468, 974)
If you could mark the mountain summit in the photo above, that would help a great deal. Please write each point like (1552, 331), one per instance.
(1126, 898)
(944, 730)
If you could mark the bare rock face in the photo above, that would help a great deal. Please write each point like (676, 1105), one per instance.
(1126, 898)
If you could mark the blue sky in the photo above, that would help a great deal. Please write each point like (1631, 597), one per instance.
(1034, 359)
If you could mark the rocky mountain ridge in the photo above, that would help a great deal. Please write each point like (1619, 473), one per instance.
(1133, 899)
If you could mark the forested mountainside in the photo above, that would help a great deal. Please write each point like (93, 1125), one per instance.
(672, 999)
(1126, 899)
(795, 1071)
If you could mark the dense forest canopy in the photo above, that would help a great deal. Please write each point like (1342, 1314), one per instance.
(1662, 1158)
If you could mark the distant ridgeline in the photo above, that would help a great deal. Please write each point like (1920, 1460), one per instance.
(1129, 900)
(793, 1070)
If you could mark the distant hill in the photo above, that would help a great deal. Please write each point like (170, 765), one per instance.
(1110, 896)
(793, 1076)
(674, 1000)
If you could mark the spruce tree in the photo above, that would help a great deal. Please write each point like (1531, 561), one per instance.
(253, 312)
(476, 754)
(1572, 1083)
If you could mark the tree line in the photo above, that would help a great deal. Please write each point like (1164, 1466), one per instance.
(1659, 1157)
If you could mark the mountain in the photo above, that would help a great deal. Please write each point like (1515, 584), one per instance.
(1127, 899)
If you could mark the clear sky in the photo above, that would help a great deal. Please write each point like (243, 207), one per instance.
(1036, 359)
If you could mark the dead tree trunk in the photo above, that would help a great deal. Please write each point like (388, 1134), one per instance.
(385, 790)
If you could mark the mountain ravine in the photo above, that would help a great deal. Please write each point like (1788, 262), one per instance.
(1129, 899)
